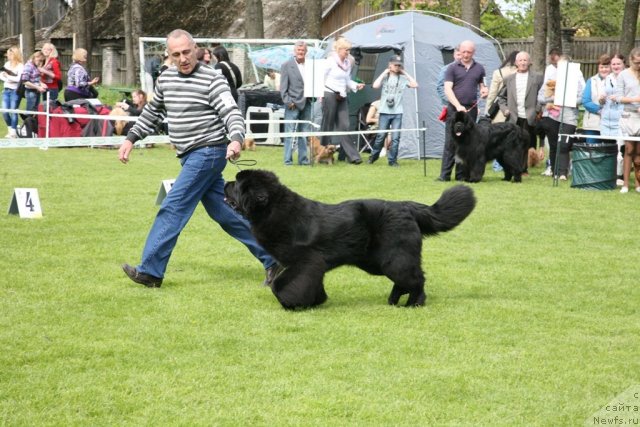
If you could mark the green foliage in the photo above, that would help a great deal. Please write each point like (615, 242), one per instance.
(532, 316)
(514, 27)
(595, 18)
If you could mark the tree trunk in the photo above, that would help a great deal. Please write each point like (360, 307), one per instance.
(27, 25)
(130, 76)
(136, 27)
(80, 24)
(314, 19)
(629, 26)
(89, 7)
(539, 53)
(387, 6)
(84, 33)
(554, 24)
(253, 23)
(470, 12)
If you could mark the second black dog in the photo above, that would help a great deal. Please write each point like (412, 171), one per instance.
(477, 143)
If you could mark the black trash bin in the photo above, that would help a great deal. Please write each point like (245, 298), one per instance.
(594, 166)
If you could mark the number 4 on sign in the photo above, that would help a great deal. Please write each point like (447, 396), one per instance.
(165, 187)
(26, 203)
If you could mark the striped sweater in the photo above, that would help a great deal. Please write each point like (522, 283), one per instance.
(199, 109)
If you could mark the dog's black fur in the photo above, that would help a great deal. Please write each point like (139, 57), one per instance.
(309, 238)
(477, 143)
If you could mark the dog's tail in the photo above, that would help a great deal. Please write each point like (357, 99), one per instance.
(454, 205)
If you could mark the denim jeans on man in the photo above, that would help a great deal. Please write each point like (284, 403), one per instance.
(387, 121)
(295, 114)
(200, 180)
(10, 100)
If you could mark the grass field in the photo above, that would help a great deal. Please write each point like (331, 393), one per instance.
(532, 316)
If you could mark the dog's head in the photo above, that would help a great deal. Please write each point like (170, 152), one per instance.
(550, 88)
(252, 193)
(118, 125)
(461, 124)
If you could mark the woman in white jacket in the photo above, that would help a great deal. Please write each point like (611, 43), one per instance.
(10, 75)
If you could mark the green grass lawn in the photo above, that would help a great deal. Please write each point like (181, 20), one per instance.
(531, 318)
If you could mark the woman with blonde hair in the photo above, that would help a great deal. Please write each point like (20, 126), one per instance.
(10, 75)
(50, 72)
(628, 94)
(79, 84)
(335, 109)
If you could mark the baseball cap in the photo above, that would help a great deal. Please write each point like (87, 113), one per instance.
(395, 59)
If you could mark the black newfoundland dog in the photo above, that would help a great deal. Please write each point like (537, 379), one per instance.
(309, 238)
(477, 143)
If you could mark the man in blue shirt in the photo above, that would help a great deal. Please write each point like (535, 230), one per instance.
(463, 79)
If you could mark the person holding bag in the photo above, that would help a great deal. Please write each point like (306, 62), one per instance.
(497, 88)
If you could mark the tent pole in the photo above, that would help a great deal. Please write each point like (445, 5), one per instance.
(415, 74)
(424, 146)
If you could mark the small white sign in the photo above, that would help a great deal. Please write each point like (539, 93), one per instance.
(567, 78)
(165, 187)
(314, 77)
(26, 203)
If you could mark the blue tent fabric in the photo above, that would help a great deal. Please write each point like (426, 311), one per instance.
(422, 38)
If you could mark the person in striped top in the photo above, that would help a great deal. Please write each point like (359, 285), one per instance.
(206, 127)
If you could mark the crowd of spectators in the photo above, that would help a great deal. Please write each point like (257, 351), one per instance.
(610, 98)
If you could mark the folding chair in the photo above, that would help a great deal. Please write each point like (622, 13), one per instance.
(366, 139)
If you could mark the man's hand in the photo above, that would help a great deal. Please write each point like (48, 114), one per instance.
(233, 150)
(484, 92)
(125, 149)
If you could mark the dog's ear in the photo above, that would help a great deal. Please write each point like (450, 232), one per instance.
(253, 200)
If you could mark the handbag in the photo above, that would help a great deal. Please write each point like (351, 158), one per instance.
(495, 107)
(443, 114)
(493, 110)
(21, 88)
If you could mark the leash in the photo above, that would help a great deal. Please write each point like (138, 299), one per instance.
(475, 105)
(244, 163)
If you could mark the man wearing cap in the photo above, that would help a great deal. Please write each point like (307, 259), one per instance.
(393, 81)
(462, 81)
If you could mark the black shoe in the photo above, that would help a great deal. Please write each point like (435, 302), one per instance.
(371, 160)
(394, 165)
(441, 179)
(356, 162)
(144, 279)
(271, 274)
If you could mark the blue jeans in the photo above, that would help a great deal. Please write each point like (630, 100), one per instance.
(200, 180)
(592, 140)
(10, 100)
(388, 121)
(296, 114)
(33, 99)
(53, 95)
